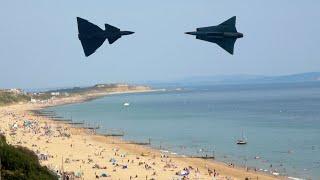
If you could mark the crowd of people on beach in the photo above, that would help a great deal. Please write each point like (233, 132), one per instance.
(72, 154)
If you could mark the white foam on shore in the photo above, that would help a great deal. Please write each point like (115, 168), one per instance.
(164, 151)
(294, 178)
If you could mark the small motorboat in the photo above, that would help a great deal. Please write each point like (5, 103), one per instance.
(126, 104)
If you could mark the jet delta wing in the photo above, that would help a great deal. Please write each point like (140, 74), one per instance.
(224, 35)
(92, 36)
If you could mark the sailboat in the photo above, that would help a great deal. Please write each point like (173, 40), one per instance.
(242, 141)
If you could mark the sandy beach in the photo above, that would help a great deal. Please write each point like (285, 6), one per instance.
(61, 147)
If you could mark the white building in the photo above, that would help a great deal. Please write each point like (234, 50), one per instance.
(55, 93)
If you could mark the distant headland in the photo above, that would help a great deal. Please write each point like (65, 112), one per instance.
(12, 96)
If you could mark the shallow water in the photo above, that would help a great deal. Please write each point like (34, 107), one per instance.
(280, 122)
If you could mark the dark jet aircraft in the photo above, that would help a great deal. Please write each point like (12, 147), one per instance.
(225, 34)
(92, 36)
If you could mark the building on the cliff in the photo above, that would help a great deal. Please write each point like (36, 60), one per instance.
(15, 91)
(55, 93)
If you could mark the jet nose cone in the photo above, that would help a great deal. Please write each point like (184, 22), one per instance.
(126, 32)
(191, 33)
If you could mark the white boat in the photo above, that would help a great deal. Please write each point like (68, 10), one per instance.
(126, 104)
(242, 141)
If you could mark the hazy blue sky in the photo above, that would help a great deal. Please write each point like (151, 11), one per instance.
(39, 46)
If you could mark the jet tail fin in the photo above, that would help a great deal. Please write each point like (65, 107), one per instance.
(229, 25)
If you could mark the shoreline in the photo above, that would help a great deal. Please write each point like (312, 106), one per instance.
(91, 96)
(135, 152)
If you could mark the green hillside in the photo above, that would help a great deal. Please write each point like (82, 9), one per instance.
(19, 163)
(7, 98)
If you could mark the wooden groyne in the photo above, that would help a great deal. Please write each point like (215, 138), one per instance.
(203, 157)
(90, 127)
(61, 120)
(136, 143)
(76, 123)
(113, 133)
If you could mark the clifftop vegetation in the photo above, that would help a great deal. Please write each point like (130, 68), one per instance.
(21, 164)
(7, 98)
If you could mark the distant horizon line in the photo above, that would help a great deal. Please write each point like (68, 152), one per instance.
(146, 82)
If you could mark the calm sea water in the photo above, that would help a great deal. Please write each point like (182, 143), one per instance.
(280, 122)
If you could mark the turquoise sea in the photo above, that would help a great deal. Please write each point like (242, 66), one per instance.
(281, 123)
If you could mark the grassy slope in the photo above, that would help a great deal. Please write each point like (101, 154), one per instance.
(7, 98)
(21, 163)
